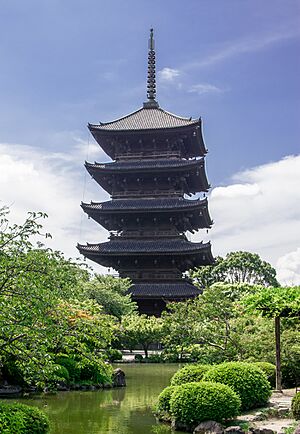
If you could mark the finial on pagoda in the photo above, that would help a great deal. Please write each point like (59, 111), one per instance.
(151, 82)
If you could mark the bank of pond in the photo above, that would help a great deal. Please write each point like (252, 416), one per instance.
(157, 399)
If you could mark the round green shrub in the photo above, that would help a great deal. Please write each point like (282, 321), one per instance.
(269, 369)
(22, 419)
(296, 406)
(193, 403)
(95, 372)
(114, 355)
(246, 379)
(164, 397)
(189, 374)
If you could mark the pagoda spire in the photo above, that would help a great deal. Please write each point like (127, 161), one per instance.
(151, 81)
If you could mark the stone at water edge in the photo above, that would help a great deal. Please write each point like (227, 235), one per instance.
(209, 426)
(236, 429)
(118, 378)
(261, 431)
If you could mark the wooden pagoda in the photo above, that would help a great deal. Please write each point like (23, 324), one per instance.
(158, 161)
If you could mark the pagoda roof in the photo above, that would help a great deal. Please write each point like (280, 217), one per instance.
(149, 205)
(138, 165)
(146, 118)
(168, 290)
(129, 247)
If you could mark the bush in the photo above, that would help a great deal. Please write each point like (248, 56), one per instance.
(138, 358)
(164, 397)
(155, 358)
(196, 402)
(296, 406)
(269, 369)
(97, 373)
(114, 355)
(22, 419)
(71, 365)
(189, 374)
(246, 379)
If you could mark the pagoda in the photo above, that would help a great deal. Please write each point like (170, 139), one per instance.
(158, 163)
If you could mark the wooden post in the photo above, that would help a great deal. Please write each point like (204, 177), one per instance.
(278, 356)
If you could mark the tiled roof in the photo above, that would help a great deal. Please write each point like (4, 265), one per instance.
(148, 204)
(145, 119)
(164, 290)
(146, 164)
(136, 246)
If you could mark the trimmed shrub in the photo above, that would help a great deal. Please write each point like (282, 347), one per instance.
(22, 419)
(246, 379)
(164, 397)
(193, 403)
(189, 374)
(97, 373)
(296, 406)
(269, 369)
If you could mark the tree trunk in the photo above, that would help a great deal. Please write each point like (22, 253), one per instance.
(146, 351)
(278, 357)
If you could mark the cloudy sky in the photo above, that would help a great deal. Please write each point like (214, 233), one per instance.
(235, 63)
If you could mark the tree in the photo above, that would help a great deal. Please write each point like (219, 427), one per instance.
(276, 302)
(236, 267)
(112, 294)
(140, 330)
(42, 308)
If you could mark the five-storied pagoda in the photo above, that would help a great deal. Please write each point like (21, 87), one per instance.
(158, 162)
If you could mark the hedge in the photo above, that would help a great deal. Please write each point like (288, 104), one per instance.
(189, 374)
(164, 398)
(246, 379)
(193, 403)
(22, 419)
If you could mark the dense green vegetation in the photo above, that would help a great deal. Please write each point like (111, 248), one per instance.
(296, 406)
(22, 419)
(189, 373)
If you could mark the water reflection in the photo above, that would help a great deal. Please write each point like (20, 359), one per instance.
(116, 411)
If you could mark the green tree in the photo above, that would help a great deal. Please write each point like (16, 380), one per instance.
(140, 330)
(276, 302)
(112, 294)
(236, 267)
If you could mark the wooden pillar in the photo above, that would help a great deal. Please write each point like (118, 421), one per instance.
(278, 356)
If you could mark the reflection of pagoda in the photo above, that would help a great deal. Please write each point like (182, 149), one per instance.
(158, 161)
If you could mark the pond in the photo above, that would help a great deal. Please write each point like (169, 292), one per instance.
(114, 411)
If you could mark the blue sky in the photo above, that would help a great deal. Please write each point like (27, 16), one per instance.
(65, 63)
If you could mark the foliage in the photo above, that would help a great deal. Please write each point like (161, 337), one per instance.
(70, 364)
(236, 267)
(22, 419)
(189, 374)
(96, 371)
(193, 403)
(275, 301)
(269, 369)
(163, 404)
(140, 330)
(43, 310)
(138, 358)
(113, 355)
(246, 379)
(112, 294)
(296, 406)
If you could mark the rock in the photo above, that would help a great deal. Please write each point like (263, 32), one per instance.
(261, 431)
(210, 426)
(180, 426)
(283, 411)
(234, 430)
(118, 378)
(7, 390)
(62, 387)
(259, 416)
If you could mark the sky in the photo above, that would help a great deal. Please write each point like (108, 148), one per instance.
(235, 63)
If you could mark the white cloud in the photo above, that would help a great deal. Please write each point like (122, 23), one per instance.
(168, 74)
(202, 88)
(288, 268)
(54, 183)
(260, 212)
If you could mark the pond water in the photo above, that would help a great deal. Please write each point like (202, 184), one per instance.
(114, 411)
